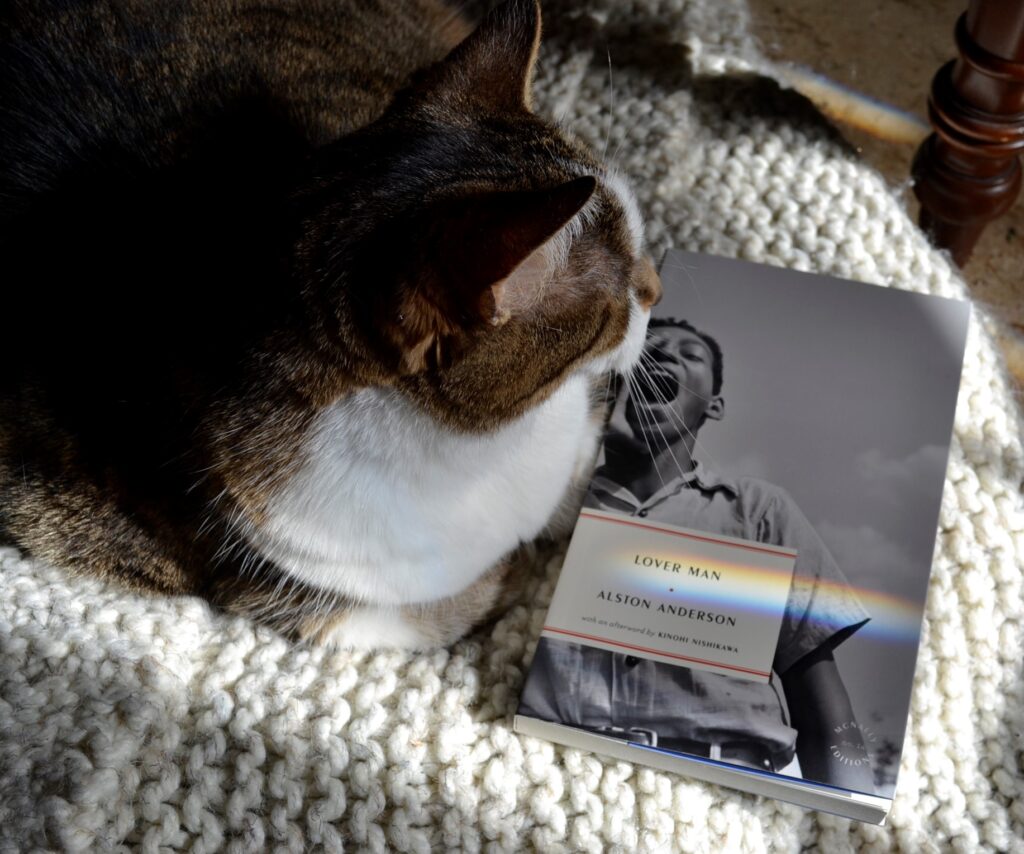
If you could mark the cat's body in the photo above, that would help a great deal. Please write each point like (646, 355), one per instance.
(278, 337)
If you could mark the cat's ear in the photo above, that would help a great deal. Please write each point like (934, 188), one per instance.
(488, 262)
(494, 64)
(493, 247)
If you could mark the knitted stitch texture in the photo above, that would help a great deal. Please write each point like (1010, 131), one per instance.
(156, 724)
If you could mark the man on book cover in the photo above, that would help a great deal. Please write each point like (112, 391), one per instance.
(802, 722)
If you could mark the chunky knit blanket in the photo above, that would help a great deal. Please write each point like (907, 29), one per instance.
(158, 724)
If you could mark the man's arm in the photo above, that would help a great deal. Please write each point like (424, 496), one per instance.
(829, 741)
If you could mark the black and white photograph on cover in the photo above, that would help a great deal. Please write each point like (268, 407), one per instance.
(801, 411)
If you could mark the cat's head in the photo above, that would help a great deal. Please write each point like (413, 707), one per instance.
(472, 254)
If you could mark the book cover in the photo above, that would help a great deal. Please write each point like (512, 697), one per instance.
(743, 594)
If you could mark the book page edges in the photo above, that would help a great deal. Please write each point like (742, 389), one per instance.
(854, 805)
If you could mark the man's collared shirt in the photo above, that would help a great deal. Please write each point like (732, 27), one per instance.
(576, 684)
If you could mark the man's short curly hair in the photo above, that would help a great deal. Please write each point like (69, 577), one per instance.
(716, 350)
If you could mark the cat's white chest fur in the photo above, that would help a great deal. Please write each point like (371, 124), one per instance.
(390, 508)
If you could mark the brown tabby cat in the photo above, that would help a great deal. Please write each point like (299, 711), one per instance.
(302, 304)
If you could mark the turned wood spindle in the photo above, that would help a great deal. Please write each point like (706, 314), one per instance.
(967, 173)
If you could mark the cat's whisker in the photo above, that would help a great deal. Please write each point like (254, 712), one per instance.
(668, 446)
(686, 270)
(678, 420)
(696, 394)
(651, 346)
(279, 588)
(654, 364)
(646, 438)
(210, 516)
(614, 159)
(654, 457)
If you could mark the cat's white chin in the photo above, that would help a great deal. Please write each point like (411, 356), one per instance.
(391, 508)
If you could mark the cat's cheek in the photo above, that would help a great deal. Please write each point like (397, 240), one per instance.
(620, 189)
(636, 336)
(624, 358)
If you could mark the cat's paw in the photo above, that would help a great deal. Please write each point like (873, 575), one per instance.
(368, 628)
(423, 625)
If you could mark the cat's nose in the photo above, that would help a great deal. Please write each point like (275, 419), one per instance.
(647, 283)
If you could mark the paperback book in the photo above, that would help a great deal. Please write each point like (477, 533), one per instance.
(743, 594)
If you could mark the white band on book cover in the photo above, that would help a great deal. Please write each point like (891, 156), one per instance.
(670, 594)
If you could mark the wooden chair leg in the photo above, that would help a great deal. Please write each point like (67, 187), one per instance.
(967, 173)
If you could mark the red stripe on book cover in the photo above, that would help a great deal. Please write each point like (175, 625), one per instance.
(662, 530)
(657, 651)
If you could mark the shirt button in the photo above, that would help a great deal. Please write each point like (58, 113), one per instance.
(642, 513)
(632, 661)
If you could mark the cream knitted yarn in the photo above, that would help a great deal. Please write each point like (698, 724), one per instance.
(156, 724)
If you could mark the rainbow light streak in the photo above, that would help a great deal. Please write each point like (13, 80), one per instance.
(852, 107)
(759, 583)
(893, 619)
